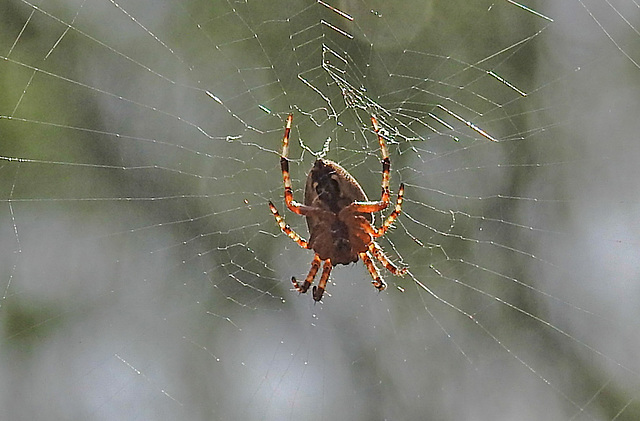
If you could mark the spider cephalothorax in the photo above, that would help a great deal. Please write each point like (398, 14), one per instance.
(339, 216)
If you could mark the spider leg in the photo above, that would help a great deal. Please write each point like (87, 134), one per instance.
(386, 161)
(284, 166)
(393, 215)
(366, 226)
(396, 211)
(371, 207)
(315, 265)
(322, 284)
(287, 229)
(367, 207)
(377, 282)
(378, 253)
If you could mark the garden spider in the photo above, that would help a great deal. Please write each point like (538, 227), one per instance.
(339, 217)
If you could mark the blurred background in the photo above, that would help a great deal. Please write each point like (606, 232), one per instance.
(142, 275)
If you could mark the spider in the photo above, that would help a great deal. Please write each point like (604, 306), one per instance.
(339, 217)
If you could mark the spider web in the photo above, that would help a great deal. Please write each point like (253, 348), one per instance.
(143, 276)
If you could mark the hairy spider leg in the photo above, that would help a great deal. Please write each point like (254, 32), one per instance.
(377, 281)
(315, 265)
(371, 207)
(378, 253)
(284, 166)
(386, 161)
(286, 229)
(322, 284)
(393, 215)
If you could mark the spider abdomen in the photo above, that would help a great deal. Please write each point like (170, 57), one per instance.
(332, 239)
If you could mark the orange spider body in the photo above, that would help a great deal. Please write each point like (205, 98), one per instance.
(339, 217)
